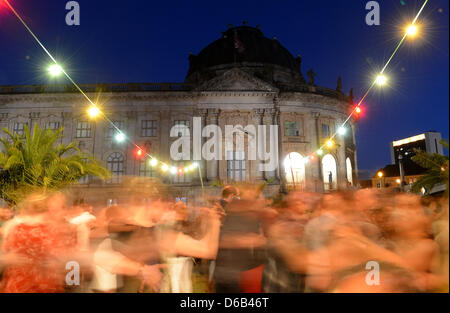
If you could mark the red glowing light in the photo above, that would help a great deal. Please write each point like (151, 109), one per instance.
(139, 152)
(358, 110)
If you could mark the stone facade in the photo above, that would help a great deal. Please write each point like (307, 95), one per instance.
(306, 116)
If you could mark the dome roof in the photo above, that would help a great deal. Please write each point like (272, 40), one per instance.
(243, 45)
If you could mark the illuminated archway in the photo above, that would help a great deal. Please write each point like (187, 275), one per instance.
(329, 172)
(294, 168)
(348, 166)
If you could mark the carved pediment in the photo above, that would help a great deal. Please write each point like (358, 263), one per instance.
(236, 80)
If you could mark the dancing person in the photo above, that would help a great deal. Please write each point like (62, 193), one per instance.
(43, 244)
(241, 254)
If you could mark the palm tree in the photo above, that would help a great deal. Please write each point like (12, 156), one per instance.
(437, 169)
(36, 160)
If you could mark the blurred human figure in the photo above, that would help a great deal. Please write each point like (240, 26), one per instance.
(179, 268)
(115, 262)
(42, 244)
(241, 254)
(147, 235)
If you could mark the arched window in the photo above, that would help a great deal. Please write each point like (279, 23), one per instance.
(329, 172)
(294, 168)
(115, 165)
(348, 165)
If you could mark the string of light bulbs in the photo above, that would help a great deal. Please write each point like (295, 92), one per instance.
(380, 80)
(95, 111)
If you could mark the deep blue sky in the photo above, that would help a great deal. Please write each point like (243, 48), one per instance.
(149, 41)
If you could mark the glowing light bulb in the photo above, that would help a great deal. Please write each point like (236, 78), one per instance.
(93, 111)
(164, 167)
(153, 162)
(55, 70)
(139, 152)
(120, 137)
(358, 110)
(195, 165)
(381, 80)
(411, 30)
(330, 143)
(319, 152)
(173, 170)
(342, 130)
(380, 174)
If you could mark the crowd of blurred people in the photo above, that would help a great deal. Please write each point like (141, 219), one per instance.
(242, 242)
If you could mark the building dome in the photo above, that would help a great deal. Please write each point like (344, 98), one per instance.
(247, 48)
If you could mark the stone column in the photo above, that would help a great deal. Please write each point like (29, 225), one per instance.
(270, 118)
(34, 119)
(203, 113)
(165, 124)
(212, 167)
(355, 158)
(319, 183)
(129, 151)
(258, 120)
(67, 123)
(340, 154)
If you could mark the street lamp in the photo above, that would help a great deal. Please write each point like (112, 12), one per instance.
(380, 175)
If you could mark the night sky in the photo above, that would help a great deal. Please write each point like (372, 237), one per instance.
(149, 41)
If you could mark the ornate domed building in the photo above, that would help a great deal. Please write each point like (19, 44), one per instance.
(243, 78)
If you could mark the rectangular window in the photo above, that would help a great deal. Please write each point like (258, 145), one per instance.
(115, 164)
(112, 131)
(145, 169)
(292, 128)
(149, 128)
(83, 129)
(182, 130)
(19, 128)
(325, 130)
(236, 165)
(53, 125)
